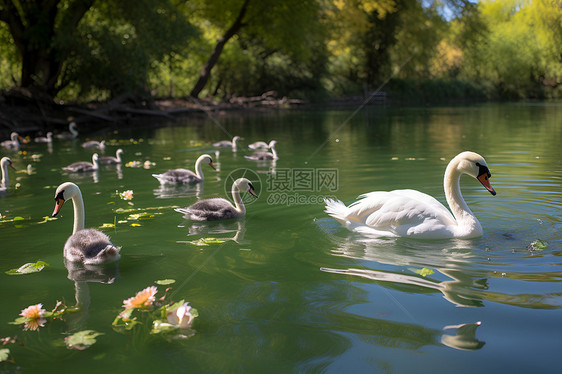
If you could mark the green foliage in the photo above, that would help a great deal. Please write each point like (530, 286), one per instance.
(299, 48)
(519, 51)
(119, 43)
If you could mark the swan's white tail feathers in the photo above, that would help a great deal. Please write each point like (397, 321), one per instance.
(108, 254)
(183, 211)
(337, 209)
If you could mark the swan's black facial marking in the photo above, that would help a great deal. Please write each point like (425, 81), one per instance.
(484, 176)
(483, 170)
(60, 196)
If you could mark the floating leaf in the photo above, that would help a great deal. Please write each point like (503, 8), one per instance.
(28, 268)
(4, 354)
(159, 327)
(537, 245)
(47, 219)
(165, 282)
(135, 224)
(15, 219)
(131, 210)
(107, 226)
(82, 339)
(424, 272)
(203, 242)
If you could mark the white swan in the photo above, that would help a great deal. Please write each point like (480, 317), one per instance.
(13, 144)
(82, 166)
(228, 143)
(94, 144)
(107, 160)
(178, 176)
(4, 163)
(219, 208)
(71, 134)
(44, 139)
(260, 145)
(415, 214)
(88, 246)
(265, 155)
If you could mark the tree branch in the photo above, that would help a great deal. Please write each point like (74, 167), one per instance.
(213, 59)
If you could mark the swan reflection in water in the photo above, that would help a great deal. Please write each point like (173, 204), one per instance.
(215, 228)
(82, 177)
(165, 191)
(449, 259)
(81, 275)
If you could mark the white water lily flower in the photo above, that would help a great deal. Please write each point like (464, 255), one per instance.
(181, 317)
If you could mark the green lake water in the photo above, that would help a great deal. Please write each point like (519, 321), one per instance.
(289, 289)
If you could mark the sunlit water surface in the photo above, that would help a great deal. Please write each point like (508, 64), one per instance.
(290, 290)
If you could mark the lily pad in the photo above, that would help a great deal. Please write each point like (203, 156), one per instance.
(28, 268)
(537, 245)
(424, 272)
(165, 282)
(4, 354)
(82, 339)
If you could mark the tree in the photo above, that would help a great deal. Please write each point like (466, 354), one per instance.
(35, 26)
(290, 27)
(93, 45)
(520, 52)
(118, 45)
(213, 59)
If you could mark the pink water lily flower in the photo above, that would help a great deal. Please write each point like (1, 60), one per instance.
(181, 316)
(127, 195)
(142, 298)
(34, 314)
(33, 311)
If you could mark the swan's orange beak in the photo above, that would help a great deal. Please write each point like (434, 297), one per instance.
(485, 180)
(211, 165)
(252, 192)
(58, 204)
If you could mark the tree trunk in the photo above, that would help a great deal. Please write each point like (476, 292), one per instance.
(33, 27)
(213, 59)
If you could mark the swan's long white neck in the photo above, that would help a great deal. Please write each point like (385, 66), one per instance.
(118, 156)
(273, 151)
(199, 168)
(239, 204)
(72, 129)
(5, 175)
(95, 161)
(78, 203)
(235, 142)
(466, 220)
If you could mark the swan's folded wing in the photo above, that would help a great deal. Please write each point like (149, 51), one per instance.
(401, 211)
